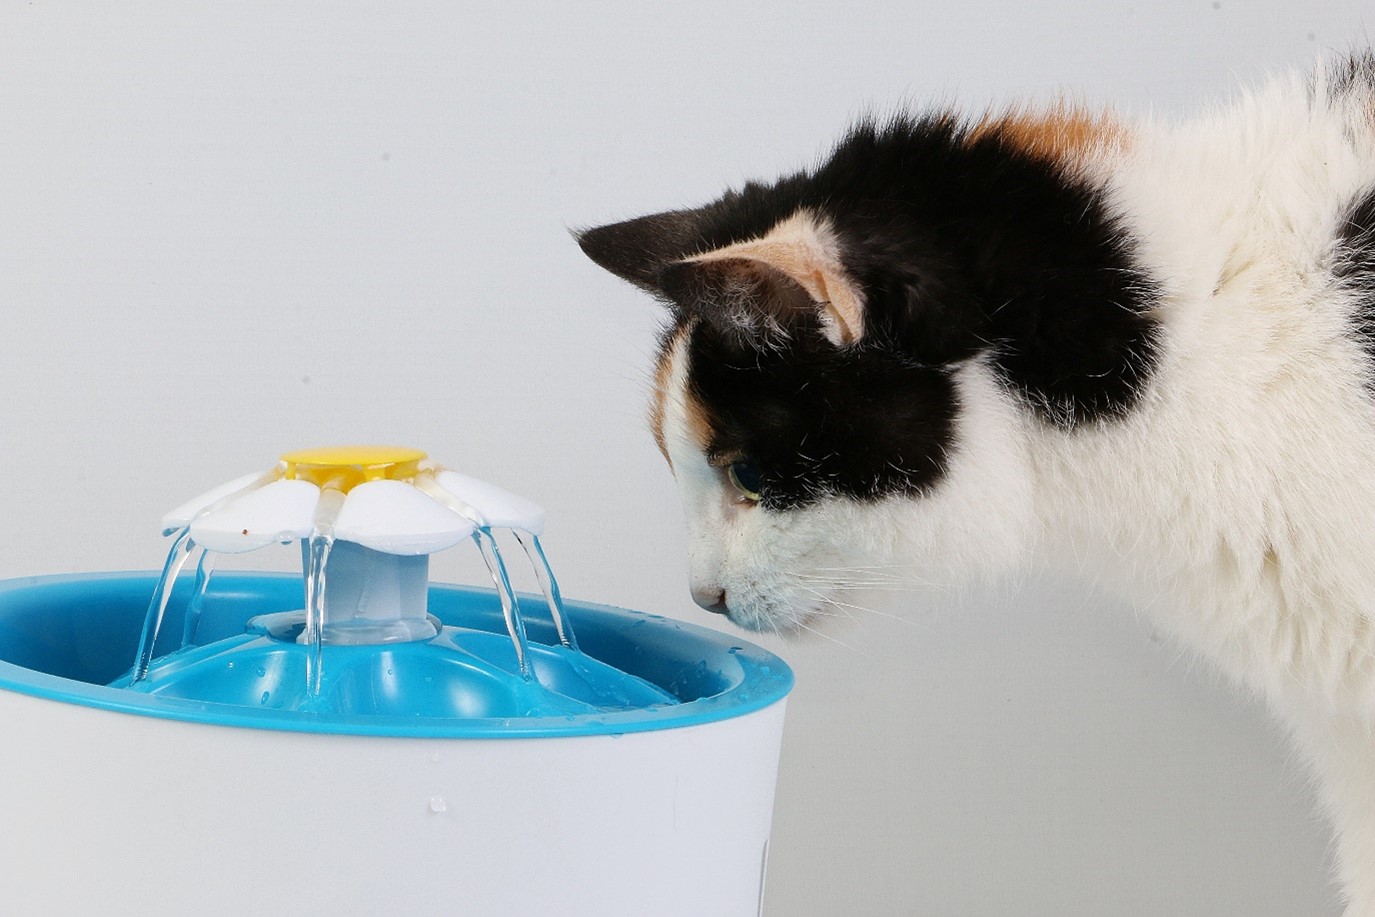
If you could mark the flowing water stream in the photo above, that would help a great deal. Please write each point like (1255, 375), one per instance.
(317, 549)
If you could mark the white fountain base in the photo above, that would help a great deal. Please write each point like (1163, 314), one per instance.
(119, 814)
(118, 802)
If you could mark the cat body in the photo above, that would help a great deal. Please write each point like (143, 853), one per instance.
(1143, 352)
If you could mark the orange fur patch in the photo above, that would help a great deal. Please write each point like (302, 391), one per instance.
(1066, 133)
(696, 419)
(656, 406)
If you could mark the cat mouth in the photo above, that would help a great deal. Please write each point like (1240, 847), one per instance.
(803, 610)
(772, 616)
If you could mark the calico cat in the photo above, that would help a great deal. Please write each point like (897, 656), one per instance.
(1142, 349)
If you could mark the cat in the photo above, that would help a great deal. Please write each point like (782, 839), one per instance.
(968, 344)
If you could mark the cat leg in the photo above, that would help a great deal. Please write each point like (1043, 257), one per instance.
(1342, 752)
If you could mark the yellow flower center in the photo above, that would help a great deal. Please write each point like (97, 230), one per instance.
(344, 467)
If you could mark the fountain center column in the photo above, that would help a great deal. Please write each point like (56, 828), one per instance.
(372, 597)
(368, 596)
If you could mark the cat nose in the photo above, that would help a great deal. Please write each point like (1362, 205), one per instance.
(712, 599)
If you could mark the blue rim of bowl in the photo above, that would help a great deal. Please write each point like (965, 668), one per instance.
(753, 677)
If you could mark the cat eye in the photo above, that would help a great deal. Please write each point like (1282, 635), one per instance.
(745, 477)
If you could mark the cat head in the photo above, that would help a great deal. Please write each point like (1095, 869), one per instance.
(836, 393)
(787, 435)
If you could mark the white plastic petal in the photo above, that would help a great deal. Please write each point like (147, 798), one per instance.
(280, 511)
(182, 515)
(395, 518)
(498, 508)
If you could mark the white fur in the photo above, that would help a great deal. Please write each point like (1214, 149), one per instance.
(1235, 503)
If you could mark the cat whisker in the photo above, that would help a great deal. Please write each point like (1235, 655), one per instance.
(868, 568)
(802, 625)
(860, 577)
(870, 581)
(860, 586)
(848, 607)
(891, 571)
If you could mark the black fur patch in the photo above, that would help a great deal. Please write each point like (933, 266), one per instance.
(1355, 265)
(982, 248)
(963, 245)
(1352, 74)
(818, 420)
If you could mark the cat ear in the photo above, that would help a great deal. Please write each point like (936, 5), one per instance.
(639, 250)
(747, 300)
(791, 272)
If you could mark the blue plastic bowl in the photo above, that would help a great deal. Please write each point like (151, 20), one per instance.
(66, 638)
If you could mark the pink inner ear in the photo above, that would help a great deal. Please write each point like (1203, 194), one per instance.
(805, 249)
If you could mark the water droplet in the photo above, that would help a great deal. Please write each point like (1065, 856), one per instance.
(231, 665)
(437, 804)
(262, 672)
(263, 699)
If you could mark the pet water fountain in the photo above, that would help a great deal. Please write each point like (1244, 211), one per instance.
(356, 740)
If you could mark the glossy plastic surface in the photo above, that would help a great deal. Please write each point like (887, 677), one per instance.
(66, 638)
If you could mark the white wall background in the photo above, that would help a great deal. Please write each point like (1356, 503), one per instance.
(227, 230)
